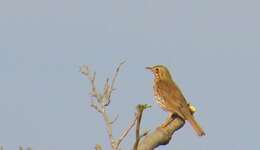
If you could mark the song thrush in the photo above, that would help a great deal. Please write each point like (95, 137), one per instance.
(170, 98)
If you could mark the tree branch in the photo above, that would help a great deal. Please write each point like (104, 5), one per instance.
(140, 108)
(109, 89)
(163, 135)
(100, 102)
(125, 133)
(160, 136)
(108, 127)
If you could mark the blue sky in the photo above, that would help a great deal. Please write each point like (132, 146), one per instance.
(211, 48)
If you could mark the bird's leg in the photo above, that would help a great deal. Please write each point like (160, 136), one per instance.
(168, 121)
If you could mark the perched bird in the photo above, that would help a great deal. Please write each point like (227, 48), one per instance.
(170, 98)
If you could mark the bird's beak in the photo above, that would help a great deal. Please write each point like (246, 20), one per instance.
(149, 68)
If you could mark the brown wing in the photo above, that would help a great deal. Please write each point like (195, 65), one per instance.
(174, 99)
(177, 103)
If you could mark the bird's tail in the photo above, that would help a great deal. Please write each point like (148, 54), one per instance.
(195, 125)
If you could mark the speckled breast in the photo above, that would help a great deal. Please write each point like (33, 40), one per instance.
(159, 99)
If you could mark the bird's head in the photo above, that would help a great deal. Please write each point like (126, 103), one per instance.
(160, 72)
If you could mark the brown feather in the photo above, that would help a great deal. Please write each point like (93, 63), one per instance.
(170, 98)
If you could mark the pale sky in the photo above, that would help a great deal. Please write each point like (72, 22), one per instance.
(211, 47)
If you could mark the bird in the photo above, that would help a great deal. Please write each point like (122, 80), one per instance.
(170, 98)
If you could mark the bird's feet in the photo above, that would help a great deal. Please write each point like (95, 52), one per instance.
(167, 122)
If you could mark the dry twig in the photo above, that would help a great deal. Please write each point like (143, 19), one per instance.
(140, 108)
(124, 134)
(109, 89)
(100, 101)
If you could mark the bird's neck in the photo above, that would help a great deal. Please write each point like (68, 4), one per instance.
(157, 80)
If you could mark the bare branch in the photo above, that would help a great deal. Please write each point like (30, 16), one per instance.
(115, 76)
(95, 106)
(163, 135)
(137, 132)
(114, 120)
(125, 133)
(91, 77)
(100, 101)
(110, 90)
(108, 126)
(140, 108)
(106, 91)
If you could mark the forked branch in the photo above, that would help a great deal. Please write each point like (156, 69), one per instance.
(100, 101)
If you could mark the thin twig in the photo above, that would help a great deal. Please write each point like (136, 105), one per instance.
(111, 89)
(137, 131)
(115, 76)
(114, 120)
(91, 77)
(100, 101)
(125, 133)
(140, 108)
(97, 103)
(106, 91)
(108, 126)
(95, 106)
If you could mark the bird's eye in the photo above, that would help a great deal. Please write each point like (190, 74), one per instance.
(157, 70)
